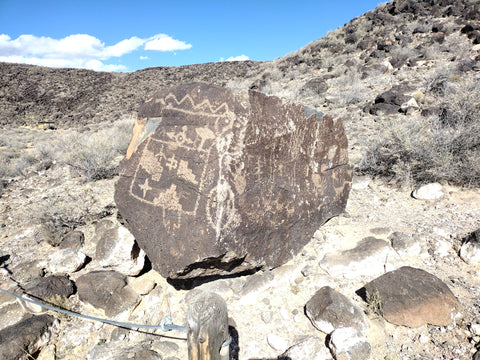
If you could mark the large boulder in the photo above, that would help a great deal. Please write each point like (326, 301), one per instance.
(219, 181)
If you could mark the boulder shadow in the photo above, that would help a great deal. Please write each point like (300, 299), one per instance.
(191, 283)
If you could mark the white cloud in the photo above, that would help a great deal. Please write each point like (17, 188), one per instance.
(236, 58)
(79, 50)
(163, 42)
(144, 58)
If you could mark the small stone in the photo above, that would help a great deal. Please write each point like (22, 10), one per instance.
(361, 182)
(310, 348)
(65, 261)
(431, 191)
(423, 339)
(470, 252)
(146, 354)
(267, 317)
(107, 290)
(117, 250)
(329, 310)
(284, 314)
(28, 271)
(119, 334)
(47, 288)
(52, 289)
(442, 248)
(277, 342)
(409, 106)
(307, 271)
(349, 344)
(74, 239)
(142, 285)
(475, 329)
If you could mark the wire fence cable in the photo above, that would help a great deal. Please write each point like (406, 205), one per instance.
(165, 325)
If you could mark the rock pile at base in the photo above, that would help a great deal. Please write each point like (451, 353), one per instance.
(217, 180)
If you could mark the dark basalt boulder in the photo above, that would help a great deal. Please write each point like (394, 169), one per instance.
(219, 181)
(26, 337)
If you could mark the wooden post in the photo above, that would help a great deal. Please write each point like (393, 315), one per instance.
(207, 323)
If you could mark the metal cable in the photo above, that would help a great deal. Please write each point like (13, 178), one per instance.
(165, 325)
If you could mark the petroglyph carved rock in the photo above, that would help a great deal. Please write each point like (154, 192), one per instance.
(219, 181)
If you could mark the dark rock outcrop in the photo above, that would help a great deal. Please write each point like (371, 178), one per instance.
(218, 181)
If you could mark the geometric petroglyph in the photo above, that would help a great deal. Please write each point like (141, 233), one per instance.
(173, 166)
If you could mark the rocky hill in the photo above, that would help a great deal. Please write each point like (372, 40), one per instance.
(405, 79)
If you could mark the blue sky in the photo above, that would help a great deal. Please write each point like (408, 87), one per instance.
(107, 35)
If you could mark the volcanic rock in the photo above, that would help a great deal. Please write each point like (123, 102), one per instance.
(310, 348)
(25, 337)
(430, 191)
(329, 310)
(349, 344)
(470, 250)
(220, 181)
(74, 239)
(47, 288)
(413, 297)
(117, 250)
(107, 290)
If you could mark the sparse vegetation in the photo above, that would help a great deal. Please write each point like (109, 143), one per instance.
(62, 302)
(442, 147)
(16, 151)
(93, 154)
(374, 304)
(96, 155)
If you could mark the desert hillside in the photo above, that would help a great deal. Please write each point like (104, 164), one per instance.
(405, 80)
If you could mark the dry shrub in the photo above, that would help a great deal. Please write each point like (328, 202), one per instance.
(444, 147)
(96, 154)
(17, 155)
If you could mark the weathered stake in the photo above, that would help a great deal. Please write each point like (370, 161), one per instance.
(207, 322)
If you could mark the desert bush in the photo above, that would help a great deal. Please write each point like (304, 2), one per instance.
(351, 89)
(444, 147)
(16, 151)
(96, 154)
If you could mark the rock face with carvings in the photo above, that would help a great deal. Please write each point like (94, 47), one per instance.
(220, 181)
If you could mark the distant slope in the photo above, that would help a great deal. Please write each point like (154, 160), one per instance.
(400, 44)
(31, 95)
